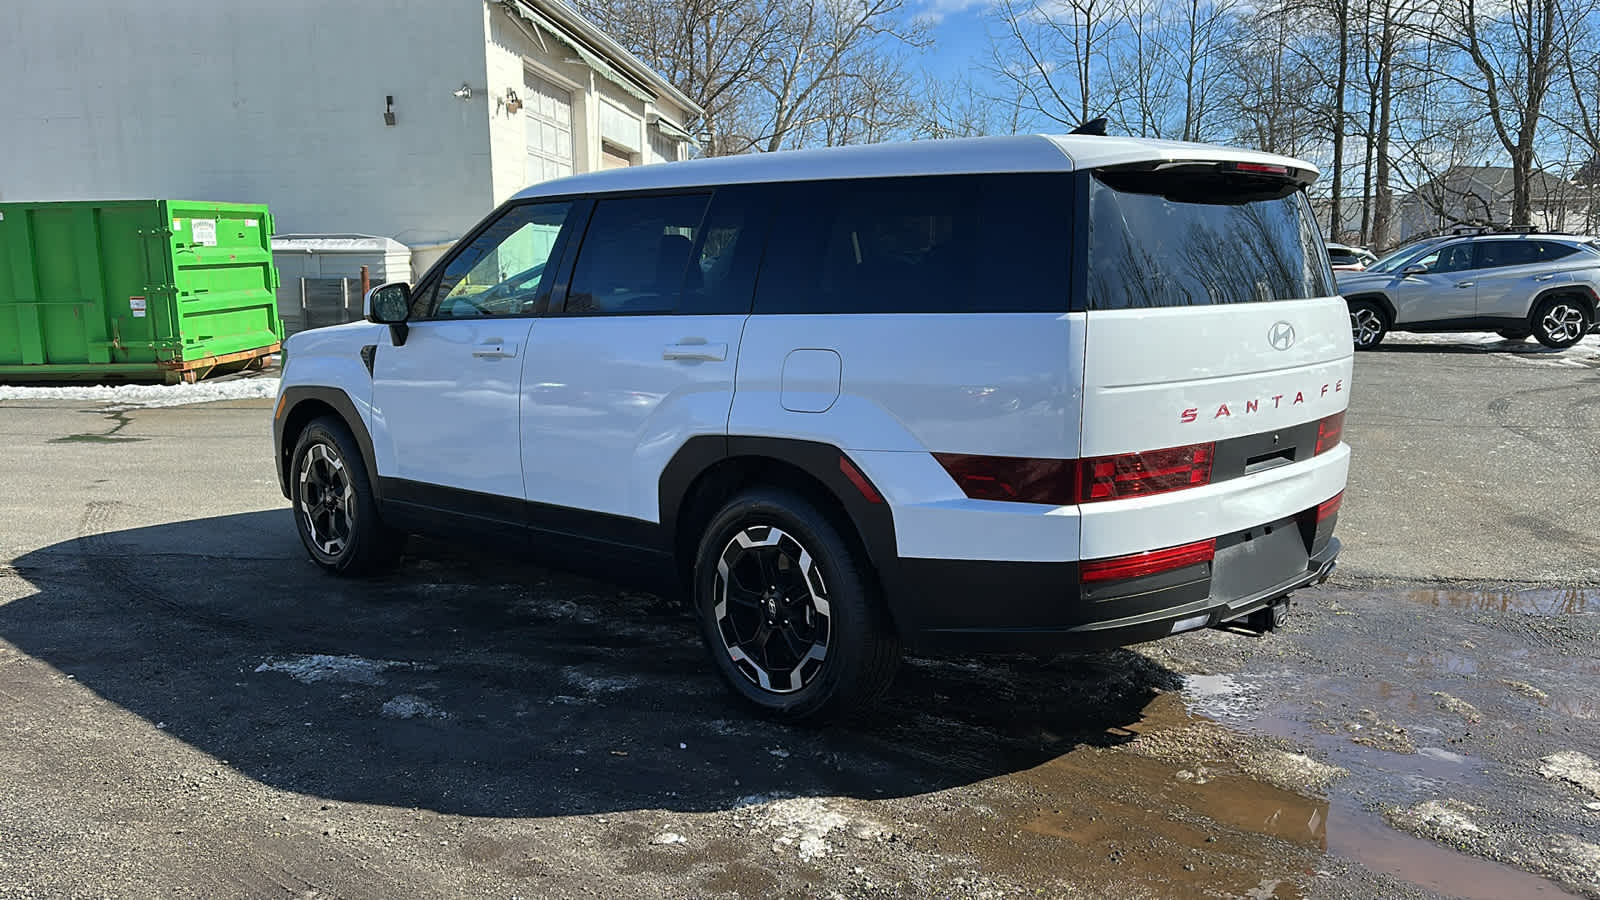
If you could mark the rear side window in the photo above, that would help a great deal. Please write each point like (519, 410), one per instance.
(1175, 240)
(950, 244)
(635, 253)
(1496, 254)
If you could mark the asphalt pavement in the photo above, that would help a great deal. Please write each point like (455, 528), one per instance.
(188, 707)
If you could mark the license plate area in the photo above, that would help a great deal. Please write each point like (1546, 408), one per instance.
(1258, 559)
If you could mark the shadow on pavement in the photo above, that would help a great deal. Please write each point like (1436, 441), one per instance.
(473, 686)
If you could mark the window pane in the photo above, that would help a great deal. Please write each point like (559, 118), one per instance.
(1158, 240)
(504, 271)
(920, 245)
(635, 254)
(1548, 252)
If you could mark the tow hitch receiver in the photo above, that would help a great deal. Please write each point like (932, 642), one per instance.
(1268, 617)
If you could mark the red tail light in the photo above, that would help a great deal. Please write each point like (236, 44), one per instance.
(1329, 508)
(1329, 431)
(1062, 482)
(1017, 479)
(1148, 563)
(1143, 474)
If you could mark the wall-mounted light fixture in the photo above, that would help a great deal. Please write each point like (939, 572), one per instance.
(388, 109)
(464, 92)
(513, 102)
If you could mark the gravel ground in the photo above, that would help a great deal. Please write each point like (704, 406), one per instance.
(188, 708)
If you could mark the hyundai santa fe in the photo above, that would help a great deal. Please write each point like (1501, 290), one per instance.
(1019, 393)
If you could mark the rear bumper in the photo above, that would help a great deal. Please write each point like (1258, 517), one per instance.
(985, 606)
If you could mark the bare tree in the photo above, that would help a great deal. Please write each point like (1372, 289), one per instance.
(709, 49)
(1053, 54)
(1511, 61)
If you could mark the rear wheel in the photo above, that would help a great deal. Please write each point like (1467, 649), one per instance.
(334, 509)
(1560, 322)
(1368, 324)
(792, 620)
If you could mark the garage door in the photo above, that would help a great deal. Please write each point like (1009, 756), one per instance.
(548, 115)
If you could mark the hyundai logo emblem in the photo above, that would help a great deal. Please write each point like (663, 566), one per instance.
(1281, 336)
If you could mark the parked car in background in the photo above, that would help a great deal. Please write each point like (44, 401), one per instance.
(1345, 258)
(1516, 284)
(958, 395)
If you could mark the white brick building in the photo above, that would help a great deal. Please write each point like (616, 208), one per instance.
(283, 102)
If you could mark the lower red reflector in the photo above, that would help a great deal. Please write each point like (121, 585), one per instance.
(1327, 509)
(1148, 563)
(859, 480)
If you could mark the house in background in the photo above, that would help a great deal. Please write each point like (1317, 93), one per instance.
(1481, 195)
(408, 119)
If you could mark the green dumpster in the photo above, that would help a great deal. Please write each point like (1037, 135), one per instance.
(135, 290)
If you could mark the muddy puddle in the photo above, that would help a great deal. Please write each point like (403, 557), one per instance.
(1565, 602)
(1200, 815)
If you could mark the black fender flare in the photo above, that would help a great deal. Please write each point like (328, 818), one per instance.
(824, 463)
(296, 397)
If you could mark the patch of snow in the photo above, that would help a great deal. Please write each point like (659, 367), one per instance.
(1574, 768)
(669, 837)
(750, 800)
(599, 684)
(320, 667)
(1442, 754)
(149, 396)
(1219, 696)
(410, 706)
(1433, 817)
(803, 823)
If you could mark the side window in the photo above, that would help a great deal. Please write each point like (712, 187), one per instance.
(1499, 254)
(1549, 251)
(722, 266)
(635, 255)
(505, 271)
(920, 245)
(1452, 258)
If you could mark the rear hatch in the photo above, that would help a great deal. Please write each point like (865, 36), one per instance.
(1211, 309)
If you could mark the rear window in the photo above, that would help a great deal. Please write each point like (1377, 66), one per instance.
(946, 244)
(1184, 239)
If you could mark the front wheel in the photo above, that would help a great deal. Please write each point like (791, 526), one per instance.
(1560, 322)
(1368, 324)
(334, 509)
(788, 611)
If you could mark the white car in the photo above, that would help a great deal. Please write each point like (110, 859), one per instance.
(1350, 259)
(970, 395)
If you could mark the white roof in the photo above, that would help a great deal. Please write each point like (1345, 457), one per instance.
(336, 243)
(963, 156)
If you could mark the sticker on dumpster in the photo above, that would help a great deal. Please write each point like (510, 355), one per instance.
(137, 305)
(251, 223)
(205, 231)
(177, 224)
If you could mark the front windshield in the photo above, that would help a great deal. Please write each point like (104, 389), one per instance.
(1403, 257)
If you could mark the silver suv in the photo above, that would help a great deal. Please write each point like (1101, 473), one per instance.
(1544, 285)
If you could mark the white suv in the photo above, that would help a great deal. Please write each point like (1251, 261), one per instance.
(998, 394)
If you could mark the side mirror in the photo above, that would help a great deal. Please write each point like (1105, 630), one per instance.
(1414, 269)
(390, 304)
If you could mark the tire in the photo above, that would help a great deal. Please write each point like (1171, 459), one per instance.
(825, 599)
(1368, 324)
(1514, 334)
(344, 535)
(1559, 322)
